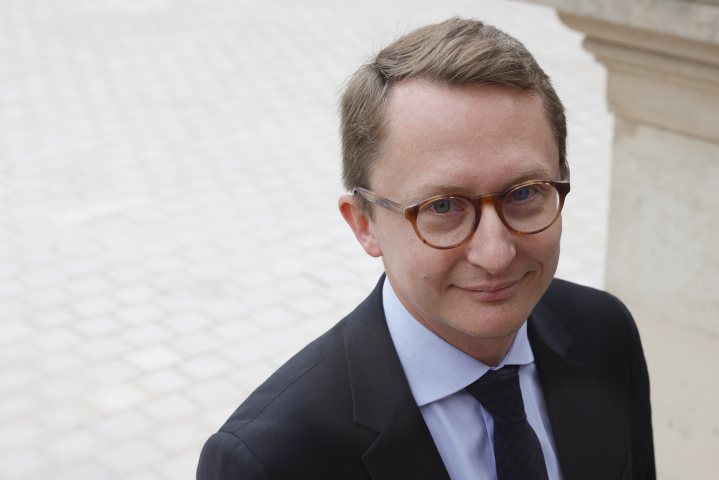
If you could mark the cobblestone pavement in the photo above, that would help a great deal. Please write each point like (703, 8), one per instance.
(169, 233)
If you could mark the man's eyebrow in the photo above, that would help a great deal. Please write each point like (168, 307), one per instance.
(537, 170)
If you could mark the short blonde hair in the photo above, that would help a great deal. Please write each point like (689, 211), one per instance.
(453, 53)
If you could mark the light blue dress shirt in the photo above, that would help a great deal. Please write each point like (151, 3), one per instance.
(438, 372)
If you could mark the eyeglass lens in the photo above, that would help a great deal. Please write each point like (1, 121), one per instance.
(448, 221)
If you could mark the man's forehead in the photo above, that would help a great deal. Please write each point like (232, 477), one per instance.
(419, 110)
(410, 96)
(474, 139)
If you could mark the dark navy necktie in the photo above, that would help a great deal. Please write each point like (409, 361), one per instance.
(517, 451)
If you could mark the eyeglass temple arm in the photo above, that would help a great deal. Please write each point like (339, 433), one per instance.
(382, 202)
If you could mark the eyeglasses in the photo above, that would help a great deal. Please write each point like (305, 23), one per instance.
(448, 221)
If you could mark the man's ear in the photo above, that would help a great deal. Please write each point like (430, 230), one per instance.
(360, 225)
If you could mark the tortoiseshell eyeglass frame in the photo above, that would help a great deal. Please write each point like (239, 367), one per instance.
(411, 212)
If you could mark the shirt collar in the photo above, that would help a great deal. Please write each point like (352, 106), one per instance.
(434, 368)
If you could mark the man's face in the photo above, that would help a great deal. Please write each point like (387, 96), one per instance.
(471, 140)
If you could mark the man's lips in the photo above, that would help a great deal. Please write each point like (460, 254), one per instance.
(492, 292)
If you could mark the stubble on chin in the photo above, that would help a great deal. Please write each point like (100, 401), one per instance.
(480, 328)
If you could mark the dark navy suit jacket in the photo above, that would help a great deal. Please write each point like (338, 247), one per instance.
(342, 409)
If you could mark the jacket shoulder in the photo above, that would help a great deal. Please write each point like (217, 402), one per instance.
(224, 455)
(563, 296)
(599, 323)
(326, 352)
(300, 422)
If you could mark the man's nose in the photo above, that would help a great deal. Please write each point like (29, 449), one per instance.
(492, 247)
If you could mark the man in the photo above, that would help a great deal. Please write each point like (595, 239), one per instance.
(468, 360)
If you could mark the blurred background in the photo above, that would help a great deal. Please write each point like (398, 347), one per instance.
(169, 233)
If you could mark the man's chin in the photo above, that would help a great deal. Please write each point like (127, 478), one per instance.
(480, 321)
(493, 328)
(491, 334)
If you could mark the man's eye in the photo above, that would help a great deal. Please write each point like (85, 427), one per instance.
(521, 193)
(442, 206)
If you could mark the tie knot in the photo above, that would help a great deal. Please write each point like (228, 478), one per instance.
(499, 393)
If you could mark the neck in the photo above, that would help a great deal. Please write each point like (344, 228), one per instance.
(488, 351)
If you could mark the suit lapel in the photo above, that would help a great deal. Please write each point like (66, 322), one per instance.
(571, 405)
(405, 448)
(382, 399)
